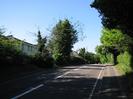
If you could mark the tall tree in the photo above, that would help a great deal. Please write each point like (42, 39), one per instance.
(82, 52)
(64, 36)
(116, 14)
(41, 42)
(2, 30)
(89, 57)
(114, 41)
(43, 57)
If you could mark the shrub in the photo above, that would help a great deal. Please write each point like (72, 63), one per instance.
(124, 60)
(77, 61)
(58, 59)
(10, 53)
(43, 61)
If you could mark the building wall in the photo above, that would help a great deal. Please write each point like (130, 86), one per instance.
(25, 47)
(28, 48)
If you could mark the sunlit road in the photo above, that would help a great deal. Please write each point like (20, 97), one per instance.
(72, 82)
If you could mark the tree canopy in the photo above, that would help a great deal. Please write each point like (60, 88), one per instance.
(115, 38)
(89, 57)
(113, 42)
(64, 36)
(116, 14)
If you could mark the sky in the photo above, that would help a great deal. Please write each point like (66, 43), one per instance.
(23, 18)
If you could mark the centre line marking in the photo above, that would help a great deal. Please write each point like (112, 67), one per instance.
(41, 85)
(28, 91)
(67, 72)
(94, 87)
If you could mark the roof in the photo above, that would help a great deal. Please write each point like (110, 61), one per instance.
(12, 37)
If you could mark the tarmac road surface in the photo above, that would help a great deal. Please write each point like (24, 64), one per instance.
(90, 81)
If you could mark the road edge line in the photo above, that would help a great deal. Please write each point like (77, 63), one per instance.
(28, 91)
(94, 87)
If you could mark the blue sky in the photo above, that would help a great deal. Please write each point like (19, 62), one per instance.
(22, 18)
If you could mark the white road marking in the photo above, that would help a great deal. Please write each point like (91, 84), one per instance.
(28, 91)
(34, 88)
(41, 85)
(76, 69)
(68, 72)
(62, 75)
(94, 87)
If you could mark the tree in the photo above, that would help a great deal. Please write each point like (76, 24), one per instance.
(114, 38)
(113, 41)
(89, 57)
(64, 36)
(82, 52)
(43, 57)
(41, 42)
(102, 52)
(2, 30)
(116, 14)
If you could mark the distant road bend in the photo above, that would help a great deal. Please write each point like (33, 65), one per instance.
(90, 81)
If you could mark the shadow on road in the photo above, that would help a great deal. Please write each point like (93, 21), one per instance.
(81, 88)
(71, 86)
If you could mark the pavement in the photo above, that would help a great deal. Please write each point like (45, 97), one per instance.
(90, 81)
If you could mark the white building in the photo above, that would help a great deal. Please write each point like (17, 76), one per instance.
(25, 47)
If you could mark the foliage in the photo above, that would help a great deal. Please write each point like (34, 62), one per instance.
(124, 60)
(43, 57)
(41, 42)
(76, 60)
(116, 14)
(113, 42)
(88, 56)
(103, 51)
(91, 58)
(82, 52)
(114, 38)
(64, 36)
(42, 61)
(10, 53)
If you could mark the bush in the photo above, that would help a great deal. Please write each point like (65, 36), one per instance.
(77, 61)
(58, 59)
(106, 59)
(10, 53)
(43, 61)
(124, 60)
(125, 67)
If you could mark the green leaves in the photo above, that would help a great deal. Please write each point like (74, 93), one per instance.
(116, 14)
(43, 57)
(63, 37)
(41, 42)
(113, 42)
(115, 38)
(88, 56)
(111, 37)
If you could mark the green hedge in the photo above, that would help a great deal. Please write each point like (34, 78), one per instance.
(124, 62)
(10, 53)
(43, 61)
(106, 59)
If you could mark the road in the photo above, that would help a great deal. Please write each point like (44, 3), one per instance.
(71, 82)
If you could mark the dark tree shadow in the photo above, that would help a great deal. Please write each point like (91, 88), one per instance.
(81, 88)
(72, 87)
